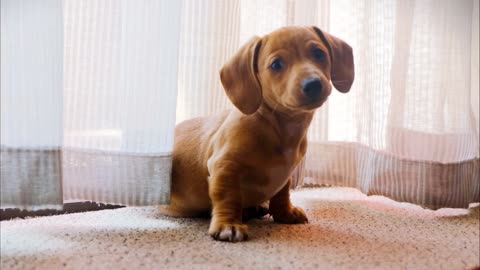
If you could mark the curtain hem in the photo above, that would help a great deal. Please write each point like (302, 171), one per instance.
(31, 179)
(36, 179)
(431, 185)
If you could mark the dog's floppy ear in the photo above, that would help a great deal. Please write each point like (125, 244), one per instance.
(342, 70)
(239, 77)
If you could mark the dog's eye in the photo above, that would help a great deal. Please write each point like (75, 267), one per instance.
(318, 54)
(276, 65)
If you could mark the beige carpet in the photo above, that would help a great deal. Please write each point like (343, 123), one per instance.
(347, 230)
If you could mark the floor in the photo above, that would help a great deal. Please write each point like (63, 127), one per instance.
(347, 230)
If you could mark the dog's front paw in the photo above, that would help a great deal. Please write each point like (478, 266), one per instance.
(293, 215)
(228, 232)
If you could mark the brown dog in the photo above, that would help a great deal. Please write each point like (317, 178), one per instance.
(243, 158)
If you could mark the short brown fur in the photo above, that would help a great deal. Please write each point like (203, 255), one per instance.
(243, 158)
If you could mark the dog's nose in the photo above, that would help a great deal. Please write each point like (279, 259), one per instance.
(312, 87)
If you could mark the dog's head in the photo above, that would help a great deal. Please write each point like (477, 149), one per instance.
(289, 70)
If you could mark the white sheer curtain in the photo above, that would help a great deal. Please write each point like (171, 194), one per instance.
(88, 93)
(409, 128)
(31, 76)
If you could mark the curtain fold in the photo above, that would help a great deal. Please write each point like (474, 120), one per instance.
(88, 101)
(31, 77)
(409, 129)
(120, 62)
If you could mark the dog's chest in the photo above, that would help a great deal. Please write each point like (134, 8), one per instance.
(262, 182)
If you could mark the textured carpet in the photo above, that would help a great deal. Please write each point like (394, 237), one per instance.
(347, 230)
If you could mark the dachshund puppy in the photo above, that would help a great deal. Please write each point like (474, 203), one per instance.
(242, 158)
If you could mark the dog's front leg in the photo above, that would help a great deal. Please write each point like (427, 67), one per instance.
(226, 223)
(282, 209)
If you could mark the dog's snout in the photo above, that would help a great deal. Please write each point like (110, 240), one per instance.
(312, 87)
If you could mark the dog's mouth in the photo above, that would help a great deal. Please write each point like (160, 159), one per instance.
(307, 104)
(314, 104)
(306, 98)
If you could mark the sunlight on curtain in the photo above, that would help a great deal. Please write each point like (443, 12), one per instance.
(88, 101)
(408, 129)
(120, 62)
